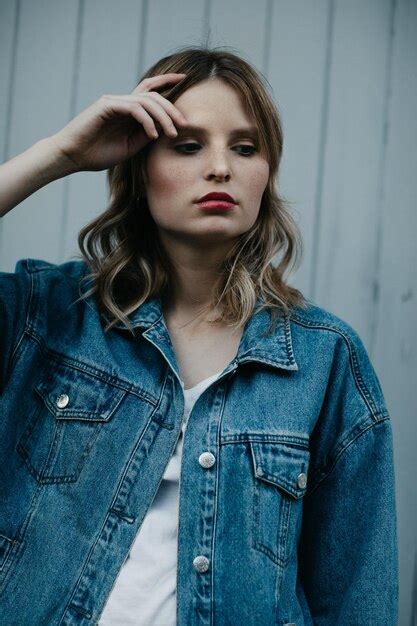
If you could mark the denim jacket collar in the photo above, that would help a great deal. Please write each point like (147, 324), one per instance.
(256, 343)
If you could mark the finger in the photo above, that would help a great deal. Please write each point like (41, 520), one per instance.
(160, 114)
(147, 84)
(171, 109)
(139, 113)
(168, 106)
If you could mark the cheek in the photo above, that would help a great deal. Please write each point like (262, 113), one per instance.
(167, 178)
(256, 180)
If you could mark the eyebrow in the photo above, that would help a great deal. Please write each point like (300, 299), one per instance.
(249, 131)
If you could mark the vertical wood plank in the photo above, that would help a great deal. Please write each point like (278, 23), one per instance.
(108, 45)
(394, 338)
(297, 68)
(347, 242)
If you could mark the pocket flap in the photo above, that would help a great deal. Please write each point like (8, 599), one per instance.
(70, 393)
(282, 464)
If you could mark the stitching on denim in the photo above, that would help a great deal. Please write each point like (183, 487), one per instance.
(287, 334)
(279, 438)
(265, 359)
(320, 474)
(119, 383)
(368, 399)
(34, 269)
(14, 354)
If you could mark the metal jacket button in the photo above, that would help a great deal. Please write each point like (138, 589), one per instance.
(62, 400)
(206, 459)
(302, 480)
(201, 563)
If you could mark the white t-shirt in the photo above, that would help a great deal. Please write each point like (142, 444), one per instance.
(144, 593)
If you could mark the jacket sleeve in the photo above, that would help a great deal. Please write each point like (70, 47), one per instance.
(348, 562)
(15, 292)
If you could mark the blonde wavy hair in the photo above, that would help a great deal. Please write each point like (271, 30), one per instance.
(121, 246)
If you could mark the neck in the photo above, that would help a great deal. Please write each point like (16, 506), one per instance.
(195, 273)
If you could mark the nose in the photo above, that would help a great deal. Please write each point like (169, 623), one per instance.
(218, 166)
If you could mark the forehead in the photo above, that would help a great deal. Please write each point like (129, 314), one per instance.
(213, 100)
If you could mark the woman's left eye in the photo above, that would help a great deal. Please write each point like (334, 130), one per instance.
(251, 148)
(179, 147)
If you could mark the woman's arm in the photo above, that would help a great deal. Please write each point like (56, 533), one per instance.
(109, 131)
(348, 561)
(29, 171)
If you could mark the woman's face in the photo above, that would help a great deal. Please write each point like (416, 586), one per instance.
(178, 174)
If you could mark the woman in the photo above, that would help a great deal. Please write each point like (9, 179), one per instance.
(286, 511)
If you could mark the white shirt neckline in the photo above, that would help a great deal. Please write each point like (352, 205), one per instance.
(201, 383)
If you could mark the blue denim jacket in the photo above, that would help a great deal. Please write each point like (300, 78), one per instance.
(295, 523)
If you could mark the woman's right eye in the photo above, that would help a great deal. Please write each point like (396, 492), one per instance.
(184, 145)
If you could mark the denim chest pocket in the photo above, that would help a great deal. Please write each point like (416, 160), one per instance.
(69, 408)
(280, 482)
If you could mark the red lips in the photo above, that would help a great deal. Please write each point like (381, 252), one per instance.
(217, 195)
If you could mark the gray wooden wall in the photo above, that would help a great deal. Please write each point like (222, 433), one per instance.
(343, 73)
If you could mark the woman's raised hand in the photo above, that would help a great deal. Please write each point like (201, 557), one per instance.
(114, 128)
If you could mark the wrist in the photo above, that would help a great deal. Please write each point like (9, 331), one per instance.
(56, 162)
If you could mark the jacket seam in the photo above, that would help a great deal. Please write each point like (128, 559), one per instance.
(354, 366)
(34, 269)
(21, 335)
(321, 473)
